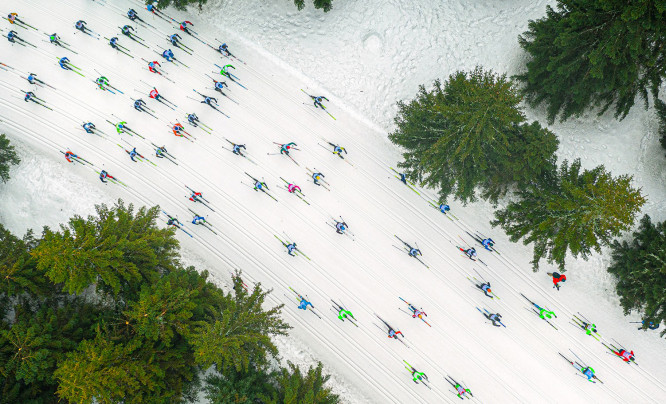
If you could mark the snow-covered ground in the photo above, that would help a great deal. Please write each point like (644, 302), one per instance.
(364, 55)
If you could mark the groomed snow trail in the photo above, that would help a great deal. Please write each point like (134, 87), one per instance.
(368, 275)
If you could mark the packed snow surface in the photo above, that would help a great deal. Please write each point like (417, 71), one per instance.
(364, 56)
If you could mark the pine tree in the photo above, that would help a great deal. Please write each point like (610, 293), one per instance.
(639, 267)
(572, 211)
(18, 270)
(318, 4)
(294, 387)
(595, 53)
(242, 336)
(660, 106)
(113, 251)
(8, 157)
(471, 133)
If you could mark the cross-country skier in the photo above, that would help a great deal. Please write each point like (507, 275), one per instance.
(284, 149)
(32, 78)
(209, 101)
(196, 196)
(316, 177)
(103, 175)
(417, 313)
(224, 49)
(303, 305)
(12, 18)
(403, 178)
(12, 36)
(28, 97)
(55, 39)
(236, 149)
(80, 25)
(460, 390)
(173, 222)
(290, 247)
(344, 313)
(586, 371)
(133, 154)
(139, 104)
(160, 152)
(625, 355)
(152, 66)
(219, 86)
(176, 129)
(557, 278)
(444, 208)
(485, 288)
(259, 185)
(416, 375)
(544, 313)
(198, 219)
(121, 127)
(175, 38)
(193, 119)
(588, 327)
(651, 325)
(102, 82)
(155, 94)
(488, 243)
(89, 127)
(225, 73)
(183, 27)
(114, 42)
(317, 101)
(69, 156)
(132, 15)
(127, 30)
(471, 253)
(168, 55)
(291, 188)
(496, 318)
(64, 63)
(414, 252)
(340, 227)
(338, 150)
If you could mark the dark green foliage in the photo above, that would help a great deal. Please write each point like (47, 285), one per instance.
(8, 157)
(571, 211)
(114, 251)
(318, 4)
(595, 53)
(640, 269)
(242, 336)
(660, 106)
(239, 387)
(103, 311)
(295, 388)
(177, 4)
(470, 134)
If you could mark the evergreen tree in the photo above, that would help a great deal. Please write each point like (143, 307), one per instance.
(18, 270)
(318, 4)
(639, 267)
(572, 211)
(293, 387)
(660, 106)
(470, 133)
(177, 4)
(242, 335)
(233, 386)
(8, 157)
(114, 251)
(595, 53)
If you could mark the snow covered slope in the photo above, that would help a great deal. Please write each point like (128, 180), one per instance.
(367, 274)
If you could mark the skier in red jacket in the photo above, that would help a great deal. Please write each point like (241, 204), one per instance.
(557, 278)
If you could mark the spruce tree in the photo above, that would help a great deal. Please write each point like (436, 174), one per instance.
(8, 157)
(241, 336)
(18, 270)
(595, 53)
(571, 211)
(114, 251)
(639, 267)
(233, 386)
(470, 133)
(660, 106)
(294, 387)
